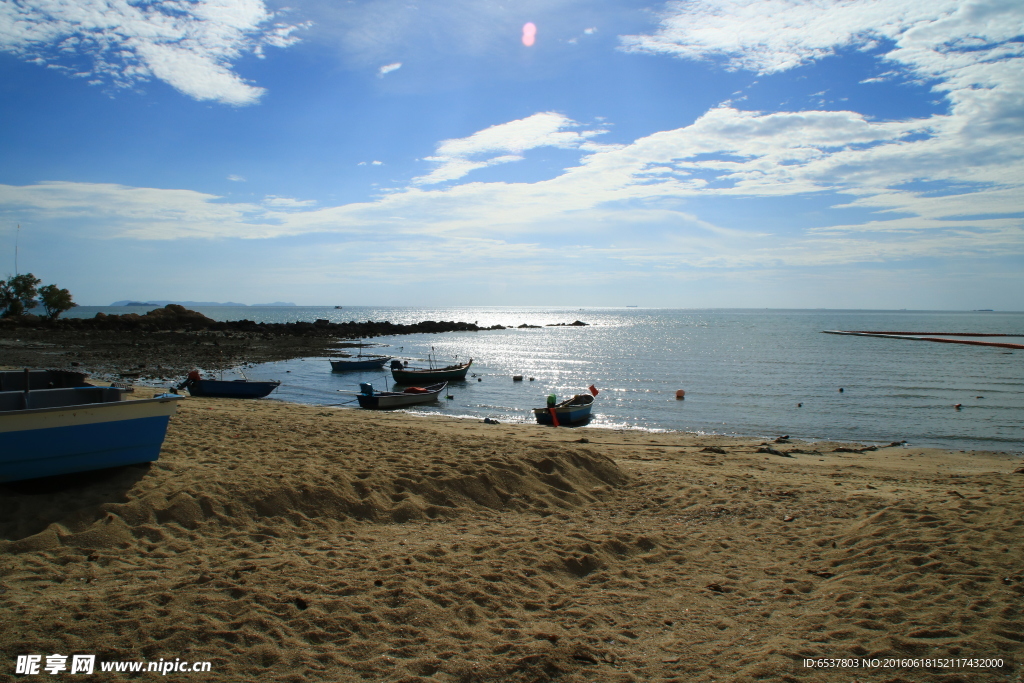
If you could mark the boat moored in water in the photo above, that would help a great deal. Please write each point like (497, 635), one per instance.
(359, 363)
(404, 375)
(368, 398)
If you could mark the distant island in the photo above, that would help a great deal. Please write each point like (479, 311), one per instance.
(129, 302)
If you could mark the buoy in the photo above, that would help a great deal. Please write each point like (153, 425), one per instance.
(680, 394)
(799, 405)
(957, 406)
(517, 378)
(479, 379)
(840, 390)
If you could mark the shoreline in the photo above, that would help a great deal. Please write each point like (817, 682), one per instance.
(164, 344)
(282, 541)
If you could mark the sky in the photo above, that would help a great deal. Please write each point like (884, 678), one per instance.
(682, 154)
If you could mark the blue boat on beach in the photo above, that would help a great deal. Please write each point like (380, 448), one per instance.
(227, 388)
(569, 411)
(59, 431)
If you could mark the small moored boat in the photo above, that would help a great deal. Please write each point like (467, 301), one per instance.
(364, 363)
(368, 398)
(226, 388)
(575, 409)
(360, 362)
(404, 375)
(47, 432)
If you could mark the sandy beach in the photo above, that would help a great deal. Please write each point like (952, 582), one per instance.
(281, 542)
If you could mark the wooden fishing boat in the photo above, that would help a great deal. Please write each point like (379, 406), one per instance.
(368, 398)
(569, 411)
(226, 388)
(360, 362)
(404, 375)
(47, 432)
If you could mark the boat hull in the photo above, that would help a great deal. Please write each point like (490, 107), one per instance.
(217, 388)
(364, 364)
(44, 442)
(396, 399)
(426, 376)
(565, 416)
(575, 410)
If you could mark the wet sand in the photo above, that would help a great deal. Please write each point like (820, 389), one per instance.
(283, 542)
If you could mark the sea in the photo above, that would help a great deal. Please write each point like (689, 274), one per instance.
(762, 373)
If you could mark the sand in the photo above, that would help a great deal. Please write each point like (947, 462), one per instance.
(283, 542)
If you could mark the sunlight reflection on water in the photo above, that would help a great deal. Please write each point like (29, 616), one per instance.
(744, 371)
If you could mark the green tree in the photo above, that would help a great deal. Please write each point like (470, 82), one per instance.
(55, 301)
(18, 294)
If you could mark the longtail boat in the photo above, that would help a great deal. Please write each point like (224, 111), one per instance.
(404, 375)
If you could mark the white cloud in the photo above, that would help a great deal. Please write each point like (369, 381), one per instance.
(971, 52)
(503, 143)
(941, 186)
(189, 45)
(768, 36)
(236, 178)
(276, 202)
(388, 68)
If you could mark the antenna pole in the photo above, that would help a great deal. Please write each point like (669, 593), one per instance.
(17, 236)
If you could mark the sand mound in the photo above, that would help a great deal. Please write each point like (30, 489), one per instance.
(235, 475)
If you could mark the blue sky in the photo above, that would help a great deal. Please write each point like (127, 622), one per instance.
(714, 153)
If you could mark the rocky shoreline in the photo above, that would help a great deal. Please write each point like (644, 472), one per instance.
(166, 343)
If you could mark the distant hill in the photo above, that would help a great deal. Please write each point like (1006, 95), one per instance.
(130, 302)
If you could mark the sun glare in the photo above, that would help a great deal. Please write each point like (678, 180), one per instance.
(529, 34)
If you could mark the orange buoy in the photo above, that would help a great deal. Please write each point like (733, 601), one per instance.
(680, 394)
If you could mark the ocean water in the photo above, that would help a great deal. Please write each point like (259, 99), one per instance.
(745, 372)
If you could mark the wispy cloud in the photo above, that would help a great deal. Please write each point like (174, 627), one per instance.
(276, 202)
(388, 68)
(189, 45)
(503, 143)
(768, 36)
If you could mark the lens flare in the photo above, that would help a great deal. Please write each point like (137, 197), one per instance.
(529, 34)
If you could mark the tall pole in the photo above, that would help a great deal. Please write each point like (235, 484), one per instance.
(17, 236)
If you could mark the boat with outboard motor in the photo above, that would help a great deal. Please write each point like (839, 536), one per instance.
(368, 398)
